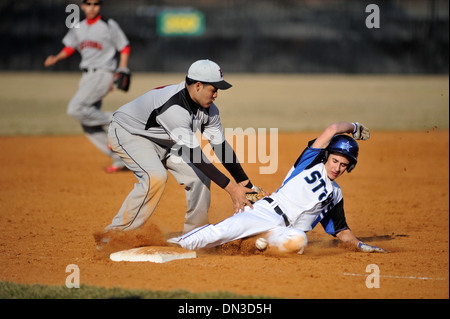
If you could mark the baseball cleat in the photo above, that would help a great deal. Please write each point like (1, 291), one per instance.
(114, 169)
(116, 166)
(100, 243)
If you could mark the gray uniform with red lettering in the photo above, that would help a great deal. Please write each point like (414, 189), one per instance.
(98, 44)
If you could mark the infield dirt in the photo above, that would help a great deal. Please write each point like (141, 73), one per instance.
(54, 196)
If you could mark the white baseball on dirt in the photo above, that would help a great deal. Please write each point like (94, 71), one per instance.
(261, 243)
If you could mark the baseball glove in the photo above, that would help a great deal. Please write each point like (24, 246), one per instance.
(257, 194)
(122, 79)
(361, 132)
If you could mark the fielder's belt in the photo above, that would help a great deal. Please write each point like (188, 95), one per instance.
(278, 210)
(87, 70)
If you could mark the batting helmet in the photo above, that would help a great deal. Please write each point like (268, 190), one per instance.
(347, 146)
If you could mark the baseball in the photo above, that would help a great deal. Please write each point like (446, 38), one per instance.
(261, 243)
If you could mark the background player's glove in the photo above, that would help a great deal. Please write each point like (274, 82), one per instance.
(257, 194)
(370, 249)
(122, 79)
(361, 132)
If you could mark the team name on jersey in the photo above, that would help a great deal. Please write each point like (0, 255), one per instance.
(320, 185)
(91, 44)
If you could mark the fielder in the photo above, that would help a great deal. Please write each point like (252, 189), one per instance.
(308, 195)
(97, 39)
(155, 133)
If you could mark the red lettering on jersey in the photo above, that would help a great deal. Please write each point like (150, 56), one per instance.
(160, 87)
(91, 44)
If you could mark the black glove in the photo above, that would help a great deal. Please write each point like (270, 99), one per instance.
(122, 79)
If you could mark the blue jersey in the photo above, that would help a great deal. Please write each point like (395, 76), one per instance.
(307, 196)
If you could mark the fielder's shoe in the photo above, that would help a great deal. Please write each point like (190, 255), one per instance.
(101, 240)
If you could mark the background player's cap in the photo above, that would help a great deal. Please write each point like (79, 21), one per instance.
(207, 71)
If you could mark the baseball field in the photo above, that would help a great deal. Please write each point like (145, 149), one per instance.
(55, 195)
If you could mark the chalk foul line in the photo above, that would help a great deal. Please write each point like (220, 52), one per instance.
(395, 277)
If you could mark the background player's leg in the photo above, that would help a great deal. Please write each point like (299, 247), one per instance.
(98, 136)
(85, 106)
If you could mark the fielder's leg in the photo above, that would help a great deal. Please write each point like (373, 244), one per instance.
(140, 156)
(197, 190)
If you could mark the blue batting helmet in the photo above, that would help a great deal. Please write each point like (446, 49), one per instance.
(347, 146)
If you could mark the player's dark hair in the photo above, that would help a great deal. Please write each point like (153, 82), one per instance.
(189, 81)
(99, 1)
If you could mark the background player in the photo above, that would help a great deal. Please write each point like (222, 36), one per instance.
(97, 40)
(156, 132)
(309, 195)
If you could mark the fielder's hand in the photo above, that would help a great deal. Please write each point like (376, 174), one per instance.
(361, 132)
(370, 249)
(257, 194)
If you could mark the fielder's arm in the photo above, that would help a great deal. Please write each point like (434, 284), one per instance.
(237, 192)
(229, 160)
(64, 54)
(124, 57)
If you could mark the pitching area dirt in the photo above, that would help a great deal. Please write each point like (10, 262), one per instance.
(54, 196)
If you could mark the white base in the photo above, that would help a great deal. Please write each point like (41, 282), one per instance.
(152, 254)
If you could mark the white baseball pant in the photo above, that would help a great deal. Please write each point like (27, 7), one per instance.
(259, 220)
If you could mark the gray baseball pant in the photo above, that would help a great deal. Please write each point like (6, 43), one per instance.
(150, 163)
(85, 106)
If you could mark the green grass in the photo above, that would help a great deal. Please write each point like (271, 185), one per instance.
(10, 290)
